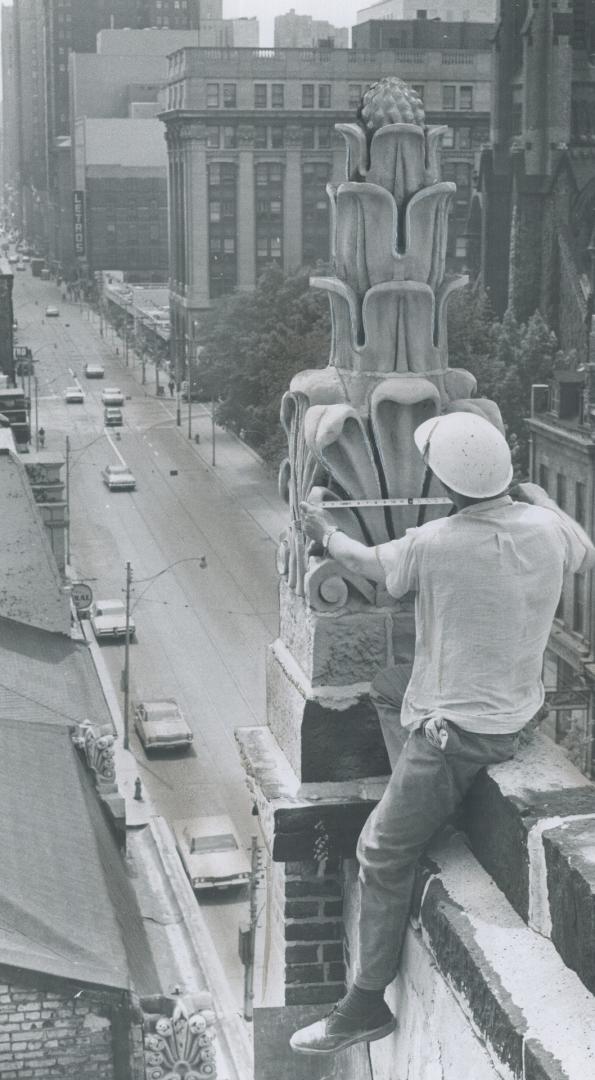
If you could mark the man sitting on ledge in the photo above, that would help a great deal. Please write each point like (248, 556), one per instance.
(487, 581)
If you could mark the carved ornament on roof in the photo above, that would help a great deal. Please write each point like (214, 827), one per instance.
(97, 742)
(350, 425)
(181, 1046)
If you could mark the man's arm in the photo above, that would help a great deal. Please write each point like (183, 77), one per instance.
(580, 540)
(350, 553)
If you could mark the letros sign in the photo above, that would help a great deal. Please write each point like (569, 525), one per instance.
(78, 205)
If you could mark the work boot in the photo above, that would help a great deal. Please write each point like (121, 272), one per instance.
(336, 1032)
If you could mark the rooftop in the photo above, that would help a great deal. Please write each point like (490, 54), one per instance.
(59, 858)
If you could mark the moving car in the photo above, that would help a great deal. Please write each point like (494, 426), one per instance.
(73, 395)
(113, 417)
(161, 724)
(118, 478)
(51, 312)
(112, 396)
(108, 619)
(94, 371)
(211, 852)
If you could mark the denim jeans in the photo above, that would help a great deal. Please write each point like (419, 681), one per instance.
(426, 786)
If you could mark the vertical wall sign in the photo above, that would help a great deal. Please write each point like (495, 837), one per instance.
(78, 205)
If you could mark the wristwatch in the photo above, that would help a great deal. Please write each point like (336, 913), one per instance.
(326, 536)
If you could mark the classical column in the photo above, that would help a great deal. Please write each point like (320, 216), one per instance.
(196, 201)
(245, 237)
(292, 200)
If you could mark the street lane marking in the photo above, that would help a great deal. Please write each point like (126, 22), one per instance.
(114, 447)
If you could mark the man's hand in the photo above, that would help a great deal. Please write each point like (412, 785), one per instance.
(315, 521)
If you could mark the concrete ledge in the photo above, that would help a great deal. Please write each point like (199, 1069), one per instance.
(534, 1015)
(531, 824)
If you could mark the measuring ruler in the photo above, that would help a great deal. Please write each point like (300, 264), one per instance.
(365, 503)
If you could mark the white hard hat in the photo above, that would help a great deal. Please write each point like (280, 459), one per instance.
(467, 453)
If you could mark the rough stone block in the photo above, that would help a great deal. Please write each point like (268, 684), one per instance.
(325, 736)
(570, 868)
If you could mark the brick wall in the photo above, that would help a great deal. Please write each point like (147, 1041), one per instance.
(49, 1028)
(313, 915)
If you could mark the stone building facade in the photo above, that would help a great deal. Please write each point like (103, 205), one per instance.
(251, 146)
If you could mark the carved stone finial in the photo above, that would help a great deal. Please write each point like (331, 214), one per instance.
(181, 1045)
(390, 101)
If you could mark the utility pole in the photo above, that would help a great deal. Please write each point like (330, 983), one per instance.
(67, 501)
(212, 431)
(247, 937)
(126, 671)
(189, 409)
(36, 384)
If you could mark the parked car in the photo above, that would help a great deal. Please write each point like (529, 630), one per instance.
(51, 312)
(94, 371)
(108, 619)
(211, 852)
(161, 724)
(118, 478)
(113, 417)
(73, 395)
(112, 396)
(13, 258)
(21, 266)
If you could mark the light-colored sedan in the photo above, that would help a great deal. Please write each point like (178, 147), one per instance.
(94, 371)
(73, 395)
(211, 852)
(51, 312)
(161, 725)
(118, 478)
(108, 619)
(112, 396)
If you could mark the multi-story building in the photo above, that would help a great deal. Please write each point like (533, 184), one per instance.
(303, 32)
(251, 146)
(446, 10)
(10, 145)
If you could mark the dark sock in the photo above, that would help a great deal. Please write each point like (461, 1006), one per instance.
(358, 1002)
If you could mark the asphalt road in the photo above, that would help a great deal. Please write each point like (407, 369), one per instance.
(202, 633)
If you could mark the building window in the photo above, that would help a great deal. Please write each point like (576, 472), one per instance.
(466, 97)
(269, 213)
(260, 137)
(419, 89)
(448, 139)
(212, 95)
(561, 491)
(324, 96)
(213, 136)
(480, 135)
(578, 607)
(229, 95)
(315, 212)
(278, 96)
(260, 95)
(222, 229)
(449, 97)
(544, 477)
(229, 138)
(307, 95)
(215, 211)
(325, 134)
(459, 172)
(460, 247)
(354, 95)
(277, 137)
(307, 137)
(579, 503)
(464, 138)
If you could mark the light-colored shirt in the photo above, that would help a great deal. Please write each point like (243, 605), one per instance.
(487, 582)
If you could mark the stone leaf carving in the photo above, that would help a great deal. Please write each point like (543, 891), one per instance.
(97, 742)
(181, 1046)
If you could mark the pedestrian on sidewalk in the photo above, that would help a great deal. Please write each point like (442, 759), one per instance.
(41, 437)
(487, 581)
(171, 386)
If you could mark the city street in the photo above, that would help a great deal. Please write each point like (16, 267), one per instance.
(202, 632)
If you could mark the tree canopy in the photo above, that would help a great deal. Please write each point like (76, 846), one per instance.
(254, 342)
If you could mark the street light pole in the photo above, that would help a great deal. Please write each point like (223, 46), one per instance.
(126, 671)
(67, 500)
(212, 431)
(36, 384)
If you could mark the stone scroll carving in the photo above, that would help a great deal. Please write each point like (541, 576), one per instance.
(97, 743)
(181, 1046)
(350, 425)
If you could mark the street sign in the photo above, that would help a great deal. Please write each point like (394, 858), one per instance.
(22, 352)
(82, 595)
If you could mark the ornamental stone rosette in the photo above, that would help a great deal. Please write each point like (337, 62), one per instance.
(350, 426)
